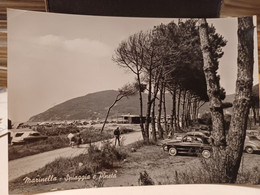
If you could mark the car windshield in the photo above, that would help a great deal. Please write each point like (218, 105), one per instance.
(18, 134)
(34, 134)
(187, 139)
(253, 138)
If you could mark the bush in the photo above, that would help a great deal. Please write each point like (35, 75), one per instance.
(83, 165)
(106, 156)
(52, 143)
(145, 179)
(141, 143)
(57, 130)
(124, 130)
(91, 135)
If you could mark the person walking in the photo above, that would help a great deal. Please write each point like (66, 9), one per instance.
(117, 136)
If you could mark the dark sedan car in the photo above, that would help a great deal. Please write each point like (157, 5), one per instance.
(192, 143)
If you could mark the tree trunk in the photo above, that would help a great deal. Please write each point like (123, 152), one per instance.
(244, 83)
(145, 138)
(215, 104)
(213, 88)
(118, 98)
(149, 104)
(194, 110)
(159, 127)
(183, 109)
(227, 152)
(178, 109)
(153, 123)
(165, 112)
(254, 114)
(156, 88)
(173, 114)
(257, 115)
(197, 108)
(188, 111)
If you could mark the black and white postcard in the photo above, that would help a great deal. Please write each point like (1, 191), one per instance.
(99, 101)
(3, 111)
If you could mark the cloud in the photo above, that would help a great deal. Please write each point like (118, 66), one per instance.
(50, 40)
(92, 48)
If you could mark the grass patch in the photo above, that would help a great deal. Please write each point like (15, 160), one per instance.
(96, 160)
(195, 175)
(52, 143)
(249, 176)
(89, 135)
(139, 144)
(57, 130)
(148, 165)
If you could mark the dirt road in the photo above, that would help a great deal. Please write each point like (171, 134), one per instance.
(28, 164)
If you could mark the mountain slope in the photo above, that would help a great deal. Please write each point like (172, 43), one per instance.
(95, 105)
(90, 106)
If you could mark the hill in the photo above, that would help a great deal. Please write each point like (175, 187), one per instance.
(95, 105)
(90, 106)
(229, 98)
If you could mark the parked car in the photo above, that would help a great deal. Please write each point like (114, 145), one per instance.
(25, 136)
(200, 133)
(178, 137)
(252, 144)
(192, 143)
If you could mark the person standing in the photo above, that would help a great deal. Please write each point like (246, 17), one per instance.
(117, 136)
(71, 136)
(79, 140)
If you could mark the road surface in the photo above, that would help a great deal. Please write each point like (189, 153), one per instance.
(28, 164)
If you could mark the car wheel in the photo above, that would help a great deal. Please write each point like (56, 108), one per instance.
(165, 147)
(249, 150)
(173, 151)
(206, 153)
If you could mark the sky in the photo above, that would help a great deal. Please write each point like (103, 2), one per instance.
(56, 57)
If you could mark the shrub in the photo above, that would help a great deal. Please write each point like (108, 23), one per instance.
(52, 143)
(58, 130)
(124, 130)
(91, 135)
(106, 156)
(140, 143)
(98, 182)
(145, 179)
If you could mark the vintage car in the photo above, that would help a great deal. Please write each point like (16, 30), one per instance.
(252, 144)
(178, 137)
(192, 143)
(21, 136)
(205, 134)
